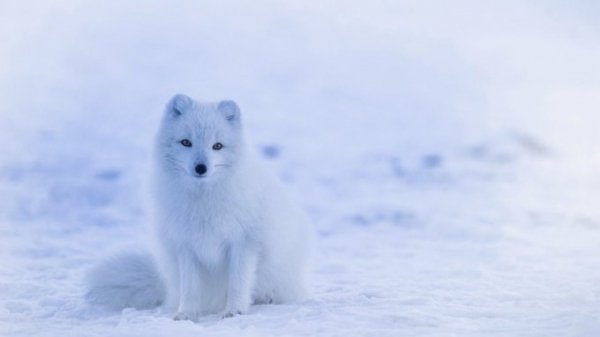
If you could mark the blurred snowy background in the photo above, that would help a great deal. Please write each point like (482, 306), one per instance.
(446, 150)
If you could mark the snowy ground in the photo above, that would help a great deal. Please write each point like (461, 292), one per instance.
(447, 154)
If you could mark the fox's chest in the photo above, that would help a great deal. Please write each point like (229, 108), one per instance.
(210, 224)
(210, 233)
(210, 250)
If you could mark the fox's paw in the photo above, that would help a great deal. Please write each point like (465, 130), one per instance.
(265, 299)
(181, 316)
(231, 313)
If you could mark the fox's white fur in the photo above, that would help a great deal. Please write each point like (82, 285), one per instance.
(227, 235)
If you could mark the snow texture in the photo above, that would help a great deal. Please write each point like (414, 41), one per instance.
(447, 152)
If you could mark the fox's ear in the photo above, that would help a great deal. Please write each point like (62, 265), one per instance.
(230, 110)
(179, 104)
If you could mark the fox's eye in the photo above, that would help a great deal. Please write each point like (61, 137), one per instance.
(217, 146)
(186, 143)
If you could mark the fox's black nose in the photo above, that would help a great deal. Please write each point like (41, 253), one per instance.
(200, 169)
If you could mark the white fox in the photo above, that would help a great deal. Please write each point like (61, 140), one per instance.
(227, 235)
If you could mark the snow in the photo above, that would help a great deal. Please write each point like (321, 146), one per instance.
(446, 151)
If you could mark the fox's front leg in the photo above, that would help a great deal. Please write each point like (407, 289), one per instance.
(189, 287)
(243, 259)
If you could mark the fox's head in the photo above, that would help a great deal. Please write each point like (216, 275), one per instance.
(199, 140)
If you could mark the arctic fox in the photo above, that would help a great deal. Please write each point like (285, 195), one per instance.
(227, 236)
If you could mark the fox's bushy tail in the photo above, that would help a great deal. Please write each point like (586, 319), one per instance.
(127, 280)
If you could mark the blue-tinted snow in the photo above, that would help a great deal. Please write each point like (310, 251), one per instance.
(447, 152)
